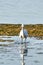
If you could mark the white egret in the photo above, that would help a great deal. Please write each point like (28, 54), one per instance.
(23, 33)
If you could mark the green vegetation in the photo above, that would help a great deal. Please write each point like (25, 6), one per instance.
(14, 29)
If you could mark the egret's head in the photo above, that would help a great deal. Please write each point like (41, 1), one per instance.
(22, 25)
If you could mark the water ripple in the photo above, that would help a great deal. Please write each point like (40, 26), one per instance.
(39, 52)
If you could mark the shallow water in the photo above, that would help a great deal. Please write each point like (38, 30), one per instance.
(9, 55)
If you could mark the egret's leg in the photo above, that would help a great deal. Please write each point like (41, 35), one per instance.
(25, 43)
(21, 44)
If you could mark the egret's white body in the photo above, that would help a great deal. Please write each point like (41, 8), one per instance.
(23, 32)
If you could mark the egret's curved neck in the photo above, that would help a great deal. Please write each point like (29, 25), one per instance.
(22, 28)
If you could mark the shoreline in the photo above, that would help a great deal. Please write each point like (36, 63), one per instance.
(34, 30)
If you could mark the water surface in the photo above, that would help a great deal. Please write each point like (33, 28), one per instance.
(9, 55)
